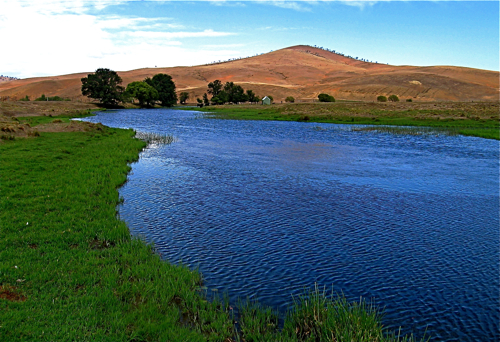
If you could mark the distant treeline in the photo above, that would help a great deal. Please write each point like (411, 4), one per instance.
(8, 78)
(338, 53)
(308, 51)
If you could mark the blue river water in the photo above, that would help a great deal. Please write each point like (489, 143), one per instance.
(266, 209)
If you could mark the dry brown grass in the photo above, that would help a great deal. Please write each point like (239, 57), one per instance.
(299, 71)
(11, 127)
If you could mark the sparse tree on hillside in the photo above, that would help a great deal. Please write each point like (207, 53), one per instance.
(290, 99)
(104, 86)
(393, 98)
(165, 87)
(382, 98)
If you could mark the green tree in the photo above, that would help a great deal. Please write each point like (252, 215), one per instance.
(214, 88)
(382, 98)
(41, 98)
(235, 93)
(146, 94)
(220, 99)
(183, 97)
(165, 87)
(290, 99)
(393, 98)
(251, 97)
(325, 98)
(104, 86)
(205, 100)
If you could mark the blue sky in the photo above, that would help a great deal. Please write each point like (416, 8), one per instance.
(54, 37)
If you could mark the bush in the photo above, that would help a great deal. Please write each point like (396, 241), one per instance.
(325, 98)
(409, 100)
(41, 98)
(393, 98)
(290, 99)
(382, 98)
(25, 98)
(49, 98)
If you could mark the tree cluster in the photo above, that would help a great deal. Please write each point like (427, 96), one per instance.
(105, 86)
(326, 98)
(392, 98)
(227, 93)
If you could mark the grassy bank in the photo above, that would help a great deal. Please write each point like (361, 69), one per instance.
(70, 270)
(474, 119)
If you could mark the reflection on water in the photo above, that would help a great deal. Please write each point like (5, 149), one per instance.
(265, 209)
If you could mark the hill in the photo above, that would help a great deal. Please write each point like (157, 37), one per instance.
(299, 71)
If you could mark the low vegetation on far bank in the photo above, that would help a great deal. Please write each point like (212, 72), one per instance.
(479, 119)
(71, 271)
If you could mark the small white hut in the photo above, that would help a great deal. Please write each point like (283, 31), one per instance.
(266, 100)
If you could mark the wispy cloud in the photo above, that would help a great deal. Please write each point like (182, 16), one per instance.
(72, 36)
(172, 35)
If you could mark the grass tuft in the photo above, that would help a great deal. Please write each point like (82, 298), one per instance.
(154, 138)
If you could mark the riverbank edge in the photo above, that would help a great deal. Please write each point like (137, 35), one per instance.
(109, 285)
(453, 120)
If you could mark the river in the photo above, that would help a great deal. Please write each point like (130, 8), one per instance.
(265, 209)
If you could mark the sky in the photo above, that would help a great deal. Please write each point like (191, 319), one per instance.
(57, 37)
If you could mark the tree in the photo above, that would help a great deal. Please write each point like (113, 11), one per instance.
(290, 99)
(382, 98)
(251, 97)
(165, 87)
(214, 88)
(146, 94)
(221, 98)
(205, 100)
(325, 98)
(183, 97)
(104, 86)
(235, 93)
(393, 98)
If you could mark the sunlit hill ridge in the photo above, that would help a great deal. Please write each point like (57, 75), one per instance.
(300, 71)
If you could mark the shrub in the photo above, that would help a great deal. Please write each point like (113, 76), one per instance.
(382, 98)
(393, 98)
(41, 98)
(25, 98)
(290, 99)
(409, 100)
(325, 98)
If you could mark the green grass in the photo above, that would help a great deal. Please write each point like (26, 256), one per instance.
(481, 122)
(37, 120)
(69, 269)
(64, 250)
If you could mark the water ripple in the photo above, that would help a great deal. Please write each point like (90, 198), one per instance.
(265, 209)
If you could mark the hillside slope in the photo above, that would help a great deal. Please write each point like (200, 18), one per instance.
(300, 71)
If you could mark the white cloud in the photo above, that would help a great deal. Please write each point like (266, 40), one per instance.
(59, 37)
(171, 35)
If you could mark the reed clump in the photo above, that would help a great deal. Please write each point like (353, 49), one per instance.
(154, 138)
(317, 316)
